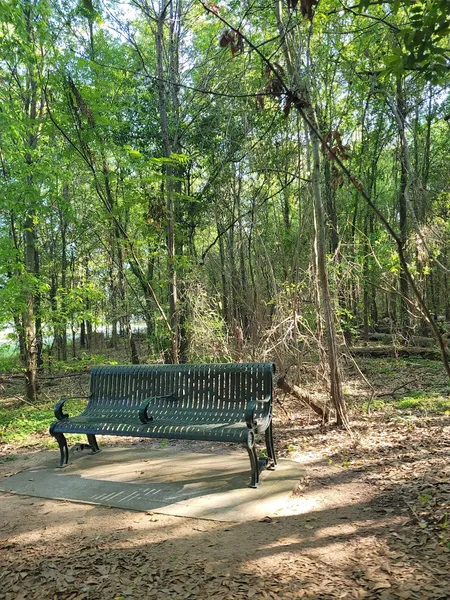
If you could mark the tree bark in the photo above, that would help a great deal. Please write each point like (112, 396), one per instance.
(403, 210)
(325, 295)
(29, 316)
(64, 266)
(305, 398)
(168, 190)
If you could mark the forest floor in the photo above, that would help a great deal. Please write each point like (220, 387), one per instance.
(378, 525)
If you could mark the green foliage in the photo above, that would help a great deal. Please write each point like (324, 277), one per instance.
(17, 425)
(27, 425)
(82, 362)
(87, 169)
(424, 402)
(76, 305)
(420, 402)
(13, 295)
(9, 363)
(423, 32)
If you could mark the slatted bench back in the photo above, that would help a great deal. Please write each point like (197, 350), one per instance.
(120, 390)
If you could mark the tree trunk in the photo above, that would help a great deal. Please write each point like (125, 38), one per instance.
(302, 87)
(64, 265)
(83, 334)
(30, 332)
(169, 192)
(330, 207)
(305, 398)
(402, 211)
(37, 310)
(226, 312)
(29, 316)
(325, 295)
(132, 344)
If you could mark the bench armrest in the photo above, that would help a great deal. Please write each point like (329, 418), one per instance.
(250, 411)
(144, 417)
(250, 414)
(58, 410)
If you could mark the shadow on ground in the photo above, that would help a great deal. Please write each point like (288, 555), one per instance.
(372, 526)
(356, 538)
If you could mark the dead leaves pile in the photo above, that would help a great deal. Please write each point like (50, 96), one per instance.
(98, 574)
(101, 573)
(412, 471)
(406, 462)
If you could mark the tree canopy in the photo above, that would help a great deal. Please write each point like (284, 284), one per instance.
(241, 179)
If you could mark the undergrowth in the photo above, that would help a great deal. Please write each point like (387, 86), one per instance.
(401, 386)
(27, 425)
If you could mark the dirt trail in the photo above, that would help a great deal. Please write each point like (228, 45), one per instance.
(373, 526)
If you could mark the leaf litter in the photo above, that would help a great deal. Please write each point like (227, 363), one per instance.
(389, 539)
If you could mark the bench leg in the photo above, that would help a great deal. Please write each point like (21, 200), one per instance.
(92, 441)
(256, 464)
(254, 483)
(63, 448)
(270, 448)
(91, 445)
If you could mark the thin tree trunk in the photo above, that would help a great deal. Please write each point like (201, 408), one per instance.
(330, 207)
(18, 320)
(326, 307)
(366, 283)
(402, 211)
(29, 316)
(325, 295)
(64, 264)
(37, 309)
(31, 341)
(226, 312)
(83, 334)
(169, 192)
(132, 343)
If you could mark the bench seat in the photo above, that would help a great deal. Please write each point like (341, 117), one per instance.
(183, 429)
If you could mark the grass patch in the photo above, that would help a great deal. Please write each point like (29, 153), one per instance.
(28, 425)
(424, 402)
(83, 362)
(375, 404)
(420, 401)
(392, 366)
(25, 425)
(10, 364)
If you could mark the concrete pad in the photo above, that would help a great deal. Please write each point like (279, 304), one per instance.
(185, 484)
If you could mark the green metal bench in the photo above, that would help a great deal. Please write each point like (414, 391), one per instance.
(219, 402)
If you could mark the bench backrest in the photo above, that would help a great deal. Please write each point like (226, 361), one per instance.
(214, 386)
